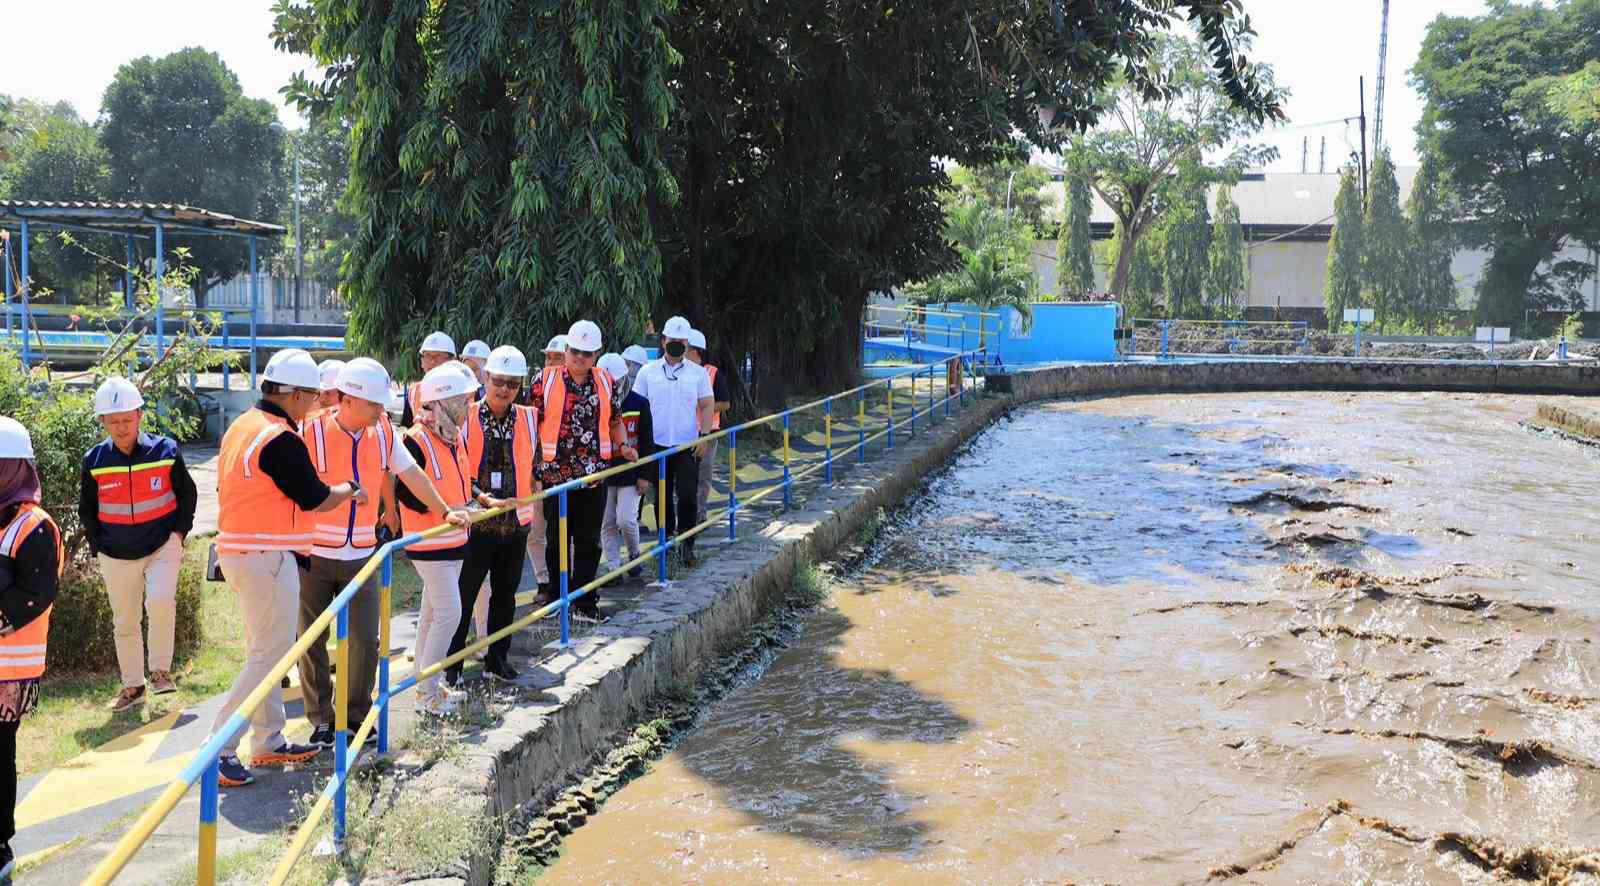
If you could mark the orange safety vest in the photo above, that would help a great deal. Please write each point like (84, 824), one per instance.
(253, 514)
(414, 397)
(136, 493)
(452, 476)
(340, 458)
(554, 379)
(22, 651)
(524, 435)
(716, 417)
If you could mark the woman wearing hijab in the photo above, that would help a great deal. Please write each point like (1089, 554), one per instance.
(30, 569)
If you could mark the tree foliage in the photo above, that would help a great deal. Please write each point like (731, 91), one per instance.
(329, 226)
(1431, 288)
(1227, 272)
(760, 168)
(1385, 251)
(1145, 293)
(1022, 182)
(178, 129)
(1075, 244)
(1186, 246)
(55, 156)
(1527, 175)
(993, 269)
(1343, 287)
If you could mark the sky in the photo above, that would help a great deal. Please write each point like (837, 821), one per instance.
(70, 49)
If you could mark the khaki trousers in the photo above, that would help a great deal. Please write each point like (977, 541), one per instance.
(266, 586)
(148, 585)
(319, 584)
(438, 617)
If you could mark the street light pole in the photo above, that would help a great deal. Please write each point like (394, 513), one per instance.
(299, 258)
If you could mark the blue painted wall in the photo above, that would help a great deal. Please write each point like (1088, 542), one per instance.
(1059, 332)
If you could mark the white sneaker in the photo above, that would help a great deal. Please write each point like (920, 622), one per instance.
(442, 704)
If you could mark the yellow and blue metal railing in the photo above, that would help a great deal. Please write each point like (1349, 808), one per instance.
(961, 372)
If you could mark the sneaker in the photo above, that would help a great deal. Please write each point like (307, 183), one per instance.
(128, 697)
(288, 752)
(635, 572)
(161, 683)
(503, 672)
(231, 773)
(322, 736)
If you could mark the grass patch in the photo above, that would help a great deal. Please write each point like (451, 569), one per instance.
(810, 585)
(72, 717)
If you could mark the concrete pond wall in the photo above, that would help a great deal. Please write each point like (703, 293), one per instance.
(607, 681)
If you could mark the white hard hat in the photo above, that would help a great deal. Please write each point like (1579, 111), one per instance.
(438, 341)
(14, 439)
(329, 373)
(444, 382)
(636, 354)
(676, 327)
(614, 364)
(477, 348)
(697, 339)
(366, 378)
(584, 336)
(117, 394)
(295, 368)
(557, 345)
(506, 360)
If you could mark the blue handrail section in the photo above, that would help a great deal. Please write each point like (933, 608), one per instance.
(962, 382)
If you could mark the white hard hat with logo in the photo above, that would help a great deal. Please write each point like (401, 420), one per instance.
(506, 360)
(14, 439)
(557, 345)
(477, 349)
(295, 368)
(697, 339)
(676, 327)
(117, 394)
(446, 381)
(584, 336)
(614, 364)
(636, 354)
(438, 341)
(329, 373)
(366, 378)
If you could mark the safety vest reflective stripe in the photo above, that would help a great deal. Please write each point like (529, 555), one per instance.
(456, 491)
(555, 405)
(22, 653)
(253, 513)
(340, 457)
(716, 417)
(524, 440)
(141, 466)
(136, 493)
(166, 500)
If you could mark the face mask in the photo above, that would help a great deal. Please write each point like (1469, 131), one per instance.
(676, 348)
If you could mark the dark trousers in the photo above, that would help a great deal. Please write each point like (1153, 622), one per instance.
(586, 510)
(8, 793)
(322, 579)
(500, 557)
(683, 484)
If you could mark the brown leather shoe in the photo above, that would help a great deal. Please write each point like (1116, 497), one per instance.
(128, 697)
(162, 683)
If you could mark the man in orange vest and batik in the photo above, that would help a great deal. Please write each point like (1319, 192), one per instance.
(354, 443)
(580, 429)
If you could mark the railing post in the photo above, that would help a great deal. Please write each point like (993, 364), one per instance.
(733, 484)
(8, 285)
(341, 724)
(827, 440)
(385, 603)
(861, 426)
(948, 365)
(788, 499)
(206, 871)
(661, 517)
(890, 436)
(561, 529)
(25, 286)
(161, 270)
(1165, 324)
(255, 308)
(225, 376)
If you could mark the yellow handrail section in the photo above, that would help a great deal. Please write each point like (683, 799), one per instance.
(961, 373)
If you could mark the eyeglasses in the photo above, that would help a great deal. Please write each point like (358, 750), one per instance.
(510, 384)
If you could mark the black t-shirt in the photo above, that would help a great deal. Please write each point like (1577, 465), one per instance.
(287, 462)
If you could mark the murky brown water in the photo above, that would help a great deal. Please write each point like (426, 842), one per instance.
(1292, 638)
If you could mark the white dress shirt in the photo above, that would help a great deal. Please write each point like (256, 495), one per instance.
(674, 392)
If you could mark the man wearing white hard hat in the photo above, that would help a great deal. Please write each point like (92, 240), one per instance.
(680, 412)
(329, 396)
(555, 352)
(580, 432)
(136, 503)
(437, 349)
(476, 353)
(354, 443)
(624, 491)
(436, 443)
(267, 492)
(501, 438)
(720, 402)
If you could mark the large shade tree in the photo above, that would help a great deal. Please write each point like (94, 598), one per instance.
(1510, 133)
(179, 129)
(1075, 245)
(56, 156)
(761, 168)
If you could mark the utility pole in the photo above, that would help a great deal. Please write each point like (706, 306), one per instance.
(1305, 151)
(1362, 85)
(299, 257)
(1322, 157)
(1383, 68)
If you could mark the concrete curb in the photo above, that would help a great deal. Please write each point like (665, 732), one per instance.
(604, 684)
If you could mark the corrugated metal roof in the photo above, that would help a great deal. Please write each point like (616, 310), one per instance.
(130, 217)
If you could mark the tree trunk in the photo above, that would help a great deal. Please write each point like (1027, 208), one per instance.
(1504, 295)
(1119, 277)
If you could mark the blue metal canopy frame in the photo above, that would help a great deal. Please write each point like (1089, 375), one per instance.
(130, 221)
